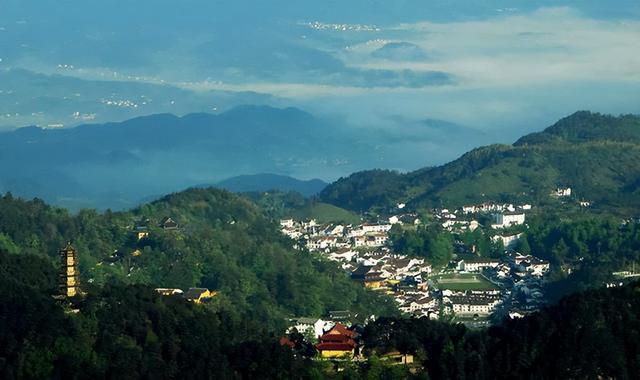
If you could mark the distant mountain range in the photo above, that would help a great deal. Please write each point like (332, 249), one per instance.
(596, 155)
(266, 182)
(116, 165)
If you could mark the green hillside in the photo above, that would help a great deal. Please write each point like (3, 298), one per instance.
(131, 332)
(596, 155)
(223, 242)
(325, 213)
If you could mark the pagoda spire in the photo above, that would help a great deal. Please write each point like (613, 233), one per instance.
(69, 276)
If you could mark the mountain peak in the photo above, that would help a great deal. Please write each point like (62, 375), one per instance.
(584, 126)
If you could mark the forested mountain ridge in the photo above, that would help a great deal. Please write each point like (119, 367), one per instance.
(223, 242)
(267, 182)
(584, 126)
(594, 154)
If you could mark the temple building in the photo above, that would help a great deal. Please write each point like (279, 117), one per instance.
(338, 342)
(69, 275)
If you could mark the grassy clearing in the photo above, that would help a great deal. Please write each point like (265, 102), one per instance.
(326, 213)
(461, 282)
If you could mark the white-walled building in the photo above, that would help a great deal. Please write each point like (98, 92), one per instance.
(287, 223)
(503, 220)
(307, 326)
(471, 305)
(375, 228)
(509, 241)
(563, 192)
(476, 265)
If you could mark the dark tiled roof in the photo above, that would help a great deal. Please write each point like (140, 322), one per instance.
(194, 293)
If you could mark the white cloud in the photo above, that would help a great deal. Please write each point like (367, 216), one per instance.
(548, 45)
(515, 73)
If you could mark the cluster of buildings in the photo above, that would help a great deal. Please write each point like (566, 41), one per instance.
(328, 237)
(363, 252)
(462, 219)
(489, 207)
(516, 289)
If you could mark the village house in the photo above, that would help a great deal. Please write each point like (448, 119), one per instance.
(488, 207)
(370, 240)
(348, 267)
(343, 255)
(468, 209)
(373, 258)
(476, 265)
(321, 243)
(460, 225)
(562, 192)
(537, 267)
(399, 268)
(287, 223)
(334, 230)
(168, 224)
(342, 316)
(199, 295)
(368, 228)
(309, 224)
(369, 276)
(508, 219)
(517, 258)
(508, 241)
(313, 327)
(169, 291)
(376, 240)
(418, 304)
(359, 241)
(473, 305)
(292, 233)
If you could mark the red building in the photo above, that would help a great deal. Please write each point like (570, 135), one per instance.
(337, 342)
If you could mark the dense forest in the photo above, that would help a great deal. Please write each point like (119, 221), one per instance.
(120, 331)
(595, 154)
(223, 242)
